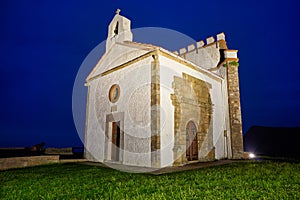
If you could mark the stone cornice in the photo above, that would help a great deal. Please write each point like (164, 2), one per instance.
(155, 52)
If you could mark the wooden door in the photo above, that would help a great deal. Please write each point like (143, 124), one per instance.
(115, 149)
(191, 141)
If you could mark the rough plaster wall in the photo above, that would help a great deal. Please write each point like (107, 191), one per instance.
(116, 56)
(169, 69)
(166, 114)
(219, 115)
(94, 141)
(134, 101)
(124, 32)
(206, 57)
(228, 138)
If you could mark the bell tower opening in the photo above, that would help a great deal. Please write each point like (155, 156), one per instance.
(116, 31)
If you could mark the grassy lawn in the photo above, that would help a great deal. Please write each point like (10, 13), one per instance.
(242, 180)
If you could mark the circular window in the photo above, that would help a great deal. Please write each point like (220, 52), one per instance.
(114, 93)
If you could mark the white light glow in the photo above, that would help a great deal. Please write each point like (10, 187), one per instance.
(251, 155)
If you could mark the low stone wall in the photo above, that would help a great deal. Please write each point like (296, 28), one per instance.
(18, 162)
(59, 151)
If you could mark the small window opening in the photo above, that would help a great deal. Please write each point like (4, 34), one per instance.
(116, 31)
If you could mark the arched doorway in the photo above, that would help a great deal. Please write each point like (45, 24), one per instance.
(191, 141)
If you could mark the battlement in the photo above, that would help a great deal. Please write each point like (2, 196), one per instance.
(201, 44)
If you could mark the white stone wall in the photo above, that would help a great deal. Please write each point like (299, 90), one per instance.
(95, 131)
(134, 102)
(166, 112)
(228, 138)
(124, 32)
(169, 68)
(206, 57)
(219, 119)
(116, 56)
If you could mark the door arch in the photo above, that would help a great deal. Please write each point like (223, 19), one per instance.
(191, 141)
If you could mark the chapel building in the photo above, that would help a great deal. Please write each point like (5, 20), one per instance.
(150, 107)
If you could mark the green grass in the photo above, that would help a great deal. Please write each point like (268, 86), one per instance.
(241, 180)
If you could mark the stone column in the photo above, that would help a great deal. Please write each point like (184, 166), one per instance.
(155, 112)
(234, 104)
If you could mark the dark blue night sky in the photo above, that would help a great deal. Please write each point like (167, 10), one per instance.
(43, 43)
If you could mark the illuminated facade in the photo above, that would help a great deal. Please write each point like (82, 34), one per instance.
(150, 107)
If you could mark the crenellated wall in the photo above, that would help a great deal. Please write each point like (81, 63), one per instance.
(220, 38)
(205, 54)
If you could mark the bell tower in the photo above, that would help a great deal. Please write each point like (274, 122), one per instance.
(118, 30)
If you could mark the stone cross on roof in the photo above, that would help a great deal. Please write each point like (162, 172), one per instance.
(118, 11)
